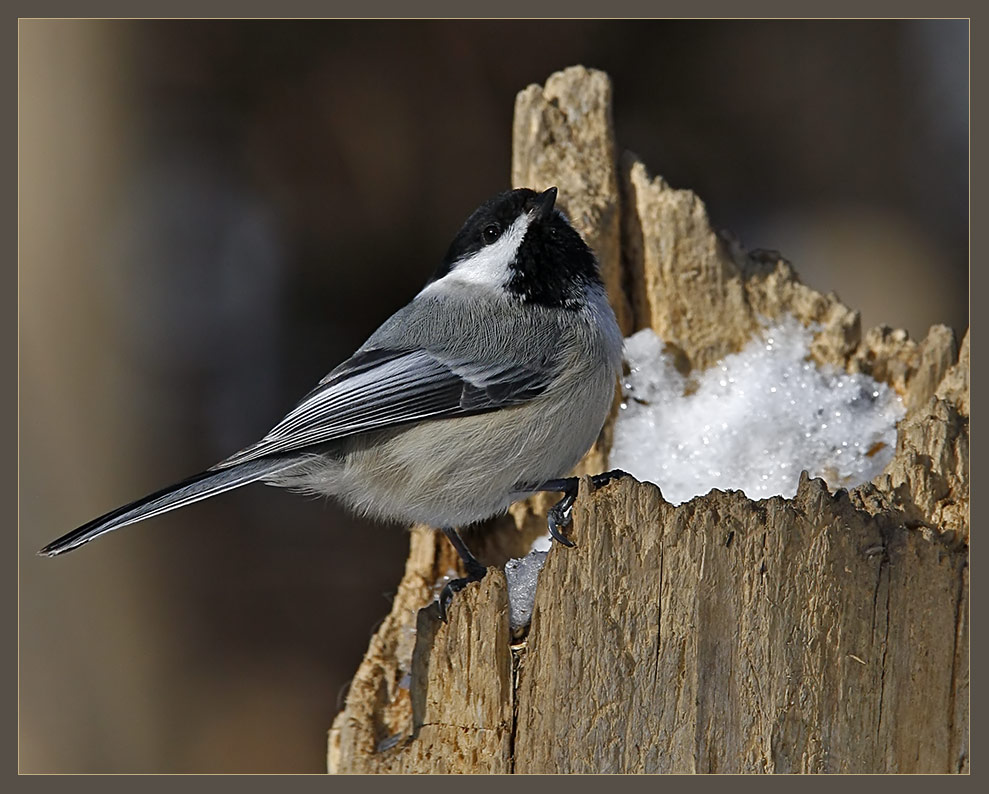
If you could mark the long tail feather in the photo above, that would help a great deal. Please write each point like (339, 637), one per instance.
(194, 489)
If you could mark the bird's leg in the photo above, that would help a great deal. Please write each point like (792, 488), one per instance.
(475, 571)
(560, 514)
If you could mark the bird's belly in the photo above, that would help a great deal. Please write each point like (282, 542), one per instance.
(453, 472)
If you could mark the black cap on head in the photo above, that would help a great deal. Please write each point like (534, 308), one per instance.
(551, 265)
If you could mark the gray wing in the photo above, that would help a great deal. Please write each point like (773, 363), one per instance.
(379, 388)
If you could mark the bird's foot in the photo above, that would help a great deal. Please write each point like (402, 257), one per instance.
(455, 586)
(600, 480)
(475, 571)
(560, 515)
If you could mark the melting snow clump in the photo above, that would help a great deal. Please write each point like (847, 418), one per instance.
(522, 575)
(752, 422)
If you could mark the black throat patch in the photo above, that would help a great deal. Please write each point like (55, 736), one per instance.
(554, 266)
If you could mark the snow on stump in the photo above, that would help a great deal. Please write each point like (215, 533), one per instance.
(821, 631)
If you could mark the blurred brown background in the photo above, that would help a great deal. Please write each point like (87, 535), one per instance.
(213, 214)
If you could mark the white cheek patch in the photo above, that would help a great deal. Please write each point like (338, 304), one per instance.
(489, 266)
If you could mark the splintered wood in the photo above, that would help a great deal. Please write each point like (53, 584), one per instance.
(824, 633)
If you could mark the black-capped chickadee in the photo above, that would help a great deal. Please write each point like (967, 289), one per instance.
(489, 386)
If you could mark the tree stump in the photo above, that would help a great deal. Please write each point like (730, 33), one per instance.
(823, 633)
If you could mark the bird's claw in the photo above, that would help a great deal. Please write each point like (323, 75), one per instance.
(560, 515)
(455, 586)
(600, 480)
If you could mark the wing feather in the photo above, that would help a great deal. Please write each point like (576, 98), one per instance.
(383, 388)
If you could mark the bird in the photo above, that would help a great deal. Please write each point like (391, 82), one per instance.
(489, 386)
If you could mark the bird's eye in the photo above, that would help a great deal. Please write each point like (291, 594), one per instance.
(491, 232)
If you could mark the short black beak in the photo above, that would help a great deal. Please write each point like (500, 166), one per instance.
(545, 202)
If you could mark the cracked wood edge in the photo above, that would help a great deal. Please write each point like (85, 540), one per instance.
(726, 635)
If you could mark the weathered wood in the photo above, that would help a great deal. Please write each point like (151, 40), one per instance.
(823, 633)
(432, 696)
(727, 635)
